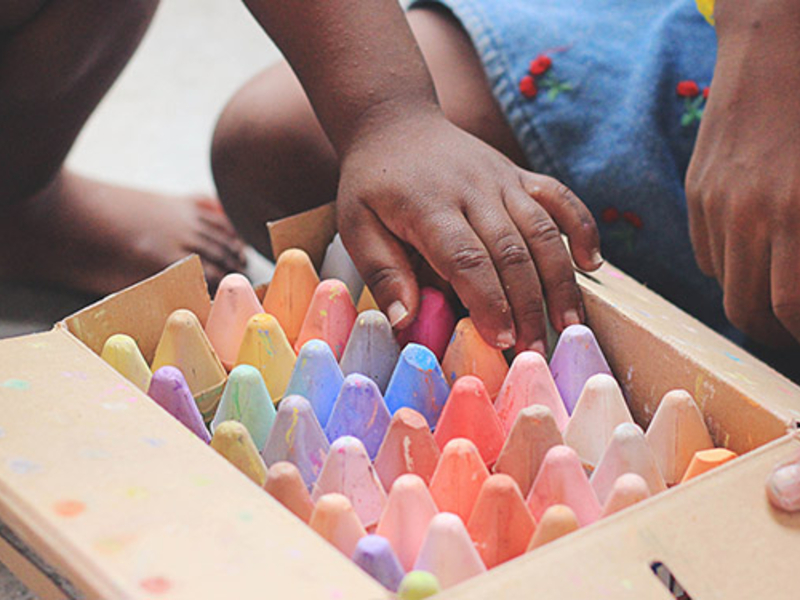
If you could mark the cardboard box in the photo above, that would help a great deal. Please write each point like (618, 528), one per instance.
(104, 495)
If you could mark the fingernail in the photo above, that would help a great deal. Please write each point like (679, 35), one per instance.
(571, 317)
(597, 259)
(505, 340)
(396, 313)
(783, 488)
(539, 347)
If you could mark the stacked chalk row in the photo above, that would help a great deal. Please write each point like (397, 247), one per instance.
(403, 464)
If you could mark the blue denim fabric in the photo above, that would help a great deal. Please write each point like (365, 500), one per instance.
(616, 137)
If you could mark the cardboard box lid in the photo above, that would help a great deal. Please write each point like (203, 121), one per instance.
(126, 503)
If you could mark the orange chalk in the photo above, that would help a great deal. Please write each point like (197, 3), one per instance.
(529, 382)
(234, 303)
(628, 489)
(562, 480)
(290, 291)
(500, 525)
(557, 521)
(600, 408)
(469, 354)
(676, 432)
(184, 345)
(265, 347)
(336, 521)
(407, 447)
(533, 434)
(468, 413)
(458, 478)
(705, 460)
(286, 485)
(330, 317)
(366, 301)
(409, 509)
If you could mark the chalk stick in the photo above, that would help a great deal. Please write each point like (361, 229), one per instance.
(296, 437)
(458, 478)
(448, 552)
(434, 324)
(335, 519)
(316, 377)
(246, 400)
(234, 303)
(577, 356)
(286, 485)
(557, 521)
(469, 413)
(417, 382)
(705, 460)
(468, 354)
(628, 489)
(265, 347)
(337, 264)
(374, 554)
(408, 447)
(232, 440)
(418, 585)
(290, 291)
(371, 349)
(122, 352)
(330, 317)
(366, 301)
(361, 412)
(171, 392)
(529, 382)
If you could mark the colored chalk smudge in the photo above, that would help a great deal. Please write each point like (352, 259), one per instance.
(19, 385)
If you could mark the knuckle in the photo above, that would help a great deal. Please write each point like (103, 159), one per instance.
(530, 312)
(468, 258)
(543, 231)
(381, 276)
(511, 252)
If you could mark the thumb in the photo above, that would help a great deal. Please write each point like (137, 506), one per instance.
(382, 261)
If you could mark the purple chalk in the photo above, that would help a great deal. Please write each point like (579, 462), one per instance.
(169, 389)
(374, 554)
(371, 349)
(576, 358)
(361, 412)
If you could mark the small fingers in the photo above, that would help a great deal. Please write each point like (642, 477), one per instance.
(698, 233)
(551, 259)
(517, 272)
(382, 261)
(571, 216)
(785, 288)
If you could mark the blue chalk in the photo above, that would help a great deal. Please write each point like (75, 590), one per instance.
(418, 383)
(317, 378)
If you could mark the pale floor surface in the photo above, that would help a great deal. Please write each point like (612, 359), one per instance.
(153, 130)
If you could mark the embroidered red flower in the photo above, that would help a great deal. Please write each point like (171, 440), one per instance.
(610, 215)
(705, 93)
(527, 86)
(687, 89)
(632, 218)
(541, 64)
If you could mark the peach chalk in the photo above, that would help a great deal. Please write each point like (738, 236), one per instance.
(184, 345)
(409, 509)
(705, 460)
(448, 552)
(628, 489)
(469, 414)
(627, 452)
(317, 378)
(600, 408)
(122, 352)
(296, 436)
(534, 432)
(434, 324)
(265, 347)
(500, 525)
(286, 485)
(676, 432)
(468, 354)
(335, 519)
(234, 303)
(366, 301)
(290, 291)
(232, 440)
(458, 478)
(408, 447)
(529, 382)
(247, 400)
(562, 480)
(348, 470)
(557, 521)
(371, 349)
(170, 391)
(577, 357)
(337, 264)
(330, 317)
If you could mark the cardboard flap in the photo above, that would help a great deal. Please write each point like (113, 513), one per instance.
(311, 231)
(718, 535)
(142, 309)
(125, 502)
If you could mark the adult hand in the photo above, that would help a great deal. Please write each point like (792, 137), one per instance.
(486, 226)
(743, 183)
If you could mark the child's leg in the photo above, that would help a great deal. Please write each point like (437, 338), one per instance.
(57, 61)
(271, 157)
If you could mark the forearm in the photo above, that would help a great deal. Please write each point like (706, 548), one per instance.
(358, 61)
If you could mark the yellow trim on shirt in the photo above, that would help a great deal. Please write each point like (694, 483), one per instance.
(706, 8)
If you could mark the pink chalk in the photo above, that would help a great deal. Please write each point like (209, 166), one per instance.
(434, 323)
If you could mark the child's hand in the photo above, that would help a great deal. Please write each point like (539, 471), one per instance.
(743, 184)
(480, 221)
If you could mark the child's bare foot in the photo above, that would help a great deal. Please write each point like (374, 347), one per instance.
(97, 237)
